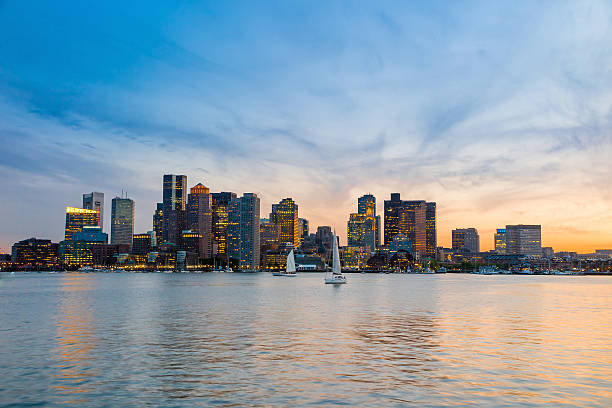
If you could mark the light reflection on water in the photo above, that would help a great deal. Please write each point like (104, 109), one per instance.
(232, 339)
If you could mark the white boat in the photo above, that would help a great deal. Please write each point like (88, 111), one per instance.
(86, 269)
(290, 269)
(335, 277)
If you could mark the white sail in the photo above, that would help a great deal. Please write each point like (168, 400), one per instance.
(336, 261)
(290, 262)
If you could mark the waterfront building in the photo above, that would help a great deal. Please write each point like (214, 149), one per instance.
(431, 232)
(143, 243)
(77, 218)
(268, 235)
(79, 250)
(95, 201)
(158, 223)
(500, 241)
(548, 252)
(122, 221)
(174, 205)
(285, 215)
(34, 253)
(199, 218)
(466, 238)
(524, 240)
(356, 257)
(220, 203)
(410, 219)
(243, 230)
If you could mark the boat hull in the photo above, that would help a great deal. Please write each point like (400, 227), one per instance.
(335, 281)
(287, 275)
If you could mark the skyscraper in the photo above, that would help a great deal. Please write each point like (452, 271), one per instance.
(199, 217)
(243, 230)
(285, 215)
(122, 221)
(431, 232)
(407, 218)
(466, 238)
(158, 223)
(77, 218)
(361, 231)
(303, 224)
(174, 204)
(95, 201)
(500, 241)
(366, 205)
(524, 239)
(268, 235)
(220, 203)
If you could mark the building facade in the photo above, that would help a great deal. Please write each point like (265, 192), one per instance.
(366, 205)
(158, 223)
(285, 215)
(411, 218)
(220, 204)
(199, 218)
(95, 201)
(466, 238)
(174, 205)
(524, 240)
(34, 252)
(243, 230)
(500, 241)
(361, 231)
(77, 218)
(431, 231)
(122, 221)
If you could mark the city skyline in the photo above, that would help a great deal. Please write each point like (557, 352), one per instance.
(487, 109)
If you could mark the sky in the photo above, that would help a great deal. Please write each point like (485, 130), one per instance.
(501, 112)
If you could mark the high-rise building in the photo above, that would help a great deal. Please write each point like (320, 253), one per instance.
(466, 238)
(524, 240)
(122, 221)
(199, 218)
(500, 241)
(366, 205)
(324, 239)
(285, 215)
(431, 232)
(174, 205)
(361, 231)
(243, 230)
(268, 235)
(303, 224)
(191, 241)
(91, 234)
(95, 201)
(410, 219)
(77, 218)
(78, 250)
(220, 203)
(158, 223)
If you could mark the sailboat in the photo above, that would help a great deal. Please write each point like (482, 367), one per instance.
(335, 277)
(290, 270)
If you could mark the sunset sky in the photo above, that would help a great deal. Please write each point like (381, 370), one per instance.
(501, 112)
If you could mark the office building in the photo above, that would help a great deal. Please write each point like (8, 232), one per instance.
(144, 243)
(361, 231)
(431, 231)
(77, 218)
(500, 241)
(407, 218)
(158, 223)
(268, 235)
(243, 230)
(303, 225)
(34, 252)
(355, 257)
(78, 251)
(191, 241)
(524, 240)
(220, 203)
(91, 234)
(399, 243)
(466, 238)
(324, 239)
(122, 221)
(199, 218)
(95, 201)
(366, 204)
(174, 205)
(285, 215)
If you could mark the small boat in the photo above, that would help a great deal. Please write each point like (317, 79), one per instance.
(86, 269)
(335, 277)
(290, 269)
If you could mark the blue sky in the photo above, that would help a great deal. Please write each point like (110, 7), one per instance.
(499, 111)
